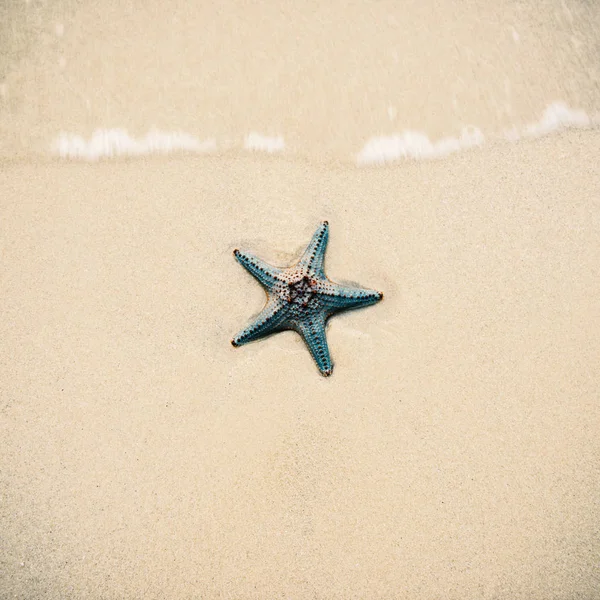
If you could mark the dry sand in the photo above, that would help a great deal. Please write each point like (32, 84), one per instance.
(454, 453)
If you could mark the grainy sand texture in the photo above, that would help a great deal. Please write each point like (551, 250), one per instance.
(453, 147)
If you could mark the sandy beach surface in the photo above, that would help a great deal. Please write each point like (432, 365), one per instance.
(455, 451)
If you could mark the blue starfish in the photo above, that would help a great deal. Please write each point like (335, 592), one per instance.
(301, 298)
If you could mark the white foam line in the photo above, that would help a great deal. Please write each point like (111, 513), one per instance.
(256, 141)
(556, 117)
(414, 144)
(108, 143)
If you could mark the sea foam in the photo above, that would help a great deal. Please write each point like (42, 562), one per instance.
(414, 144)
(557, 116)
(262, 143)
(108, 143)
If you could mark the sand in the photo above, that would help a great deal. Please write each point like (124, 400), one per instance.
(454, 452)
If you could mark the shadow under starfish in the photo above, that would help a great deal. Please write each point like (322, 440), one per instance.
(301, 298)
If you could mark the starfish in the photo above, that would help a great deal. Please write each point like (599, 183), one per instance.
(301, 298)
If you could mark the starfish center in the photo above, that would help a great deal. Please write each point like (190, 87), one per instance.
(301, 291)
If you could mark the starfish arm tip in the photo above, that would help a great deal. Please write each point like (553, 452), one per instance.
(234, 343)
(264, 273)
(314, 255)
(327, 372)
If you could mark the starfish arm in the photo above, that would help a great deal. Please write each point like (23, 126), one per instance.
(259, 269)
(270, 320)
(313, 256)
(336, 297)
(312, 331)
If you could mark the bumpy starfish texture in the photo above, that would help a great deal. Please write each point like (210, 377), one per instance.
(301, 298)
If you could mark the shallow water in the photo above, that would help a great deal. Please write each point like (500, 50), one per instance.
(334, 81)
